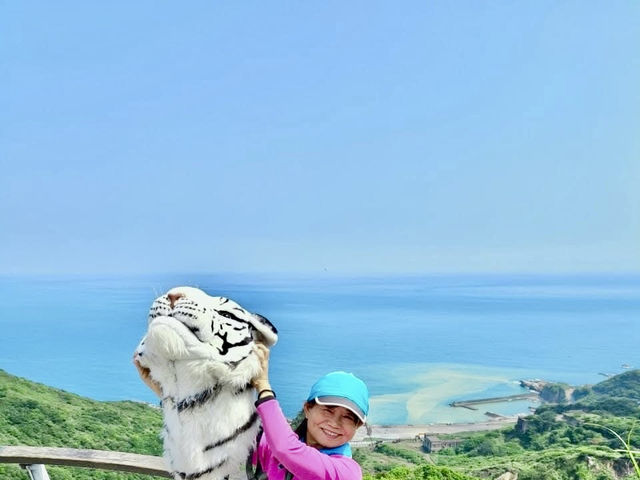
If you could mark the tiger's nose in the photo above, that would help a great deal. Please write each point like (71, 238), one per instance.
(174, 297)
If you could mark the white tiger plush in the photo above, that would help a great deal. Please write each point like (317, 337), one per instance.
(200, 350)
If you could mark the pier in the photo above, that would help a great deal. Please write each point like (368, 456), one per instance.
(479, 401)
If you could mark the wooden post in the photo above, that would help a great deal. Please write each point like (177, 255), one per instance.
(36, 471)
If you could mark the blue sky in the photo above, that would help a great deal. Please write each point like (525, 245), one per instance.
(342, 137)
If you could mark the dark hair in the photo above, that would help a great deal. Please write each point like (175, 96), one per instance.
(301, 428)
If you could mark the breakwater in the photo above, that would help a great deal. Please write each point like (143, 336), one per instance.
(479, 401)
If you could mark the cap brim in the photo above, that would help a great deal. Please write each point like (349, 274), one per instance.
(342, 402)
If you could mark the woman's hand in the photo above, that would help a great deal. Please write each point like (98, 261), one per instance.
(145, 375)
(261, 380)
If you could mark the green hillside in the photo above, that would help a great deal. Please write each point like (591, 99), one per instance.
(37, 415)
(625, 385)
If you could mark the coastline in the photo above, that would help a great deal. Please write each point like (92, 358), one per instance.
(410, 432)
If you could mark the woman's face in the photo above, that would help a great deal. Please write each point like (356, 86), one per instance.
(329, 426)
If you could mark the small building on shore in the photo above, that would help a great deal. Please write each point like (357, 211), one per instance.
(432, 444)
(522, 425)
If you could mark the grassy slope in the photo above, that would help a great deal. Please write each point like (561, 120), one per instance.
(34, 414)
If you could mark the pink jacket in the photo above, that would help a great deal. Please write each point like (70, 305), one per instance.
(280, 449)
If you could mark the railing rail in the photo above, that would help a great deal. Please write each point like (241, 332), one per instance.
(34, 459)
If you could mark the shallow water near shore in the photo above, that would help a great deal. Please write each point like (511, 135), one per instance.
(419, 342)
(428, 390)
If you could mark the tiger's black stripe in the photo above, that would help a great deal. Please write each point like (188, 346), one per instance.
(193, 476)
(193, 330)
(243, 428)
(243, 389)
(229, 315)
(233, 365)
(226, 345)
(205, 396)
(199, 398)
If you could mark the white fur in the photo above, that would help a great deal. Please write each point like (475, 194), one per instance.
(190, 349)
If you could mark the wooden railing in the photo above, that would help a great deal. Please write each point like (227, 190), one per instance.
(34, 459)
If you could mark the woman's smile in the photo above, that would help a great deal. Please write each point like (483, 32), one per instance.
(329, 433)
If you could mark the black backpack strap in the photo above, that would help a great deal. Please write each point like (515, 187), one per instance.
(255, 473)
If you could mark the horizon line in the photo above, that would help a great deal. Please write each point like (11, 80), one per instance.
(327, 274)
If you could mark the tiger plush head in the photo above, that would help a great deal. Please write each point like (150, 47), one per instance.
(200, 349)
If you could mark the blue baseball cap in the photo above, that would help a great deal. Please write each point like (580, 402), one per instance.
(342, 389)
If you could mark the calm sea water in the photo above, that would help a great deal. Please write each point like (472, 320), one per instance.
(418, 342)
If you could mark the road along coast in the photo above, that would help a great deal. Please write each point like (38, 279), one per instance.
(410, 432)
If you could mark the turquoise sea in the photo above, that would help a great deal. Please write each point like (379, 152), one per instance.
(419, 342)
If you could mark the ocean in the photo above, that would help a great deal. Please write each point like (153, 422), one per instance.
(419, 342)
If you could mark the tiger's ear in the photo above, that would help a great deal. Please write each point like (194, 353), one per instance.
(263, 330)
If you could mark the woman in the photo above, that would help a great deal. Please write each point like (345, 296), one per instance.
(336, 406)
